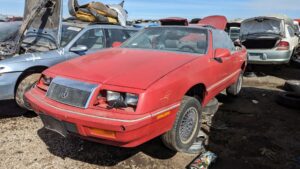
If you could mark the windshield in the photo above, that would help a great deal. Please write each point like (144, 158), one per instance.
(68, 34)
(8, 30)
(176, 39)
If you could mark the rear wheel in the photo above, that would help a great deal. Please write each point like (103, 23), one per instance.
(186, 127)
(235, 89)
(26, 84)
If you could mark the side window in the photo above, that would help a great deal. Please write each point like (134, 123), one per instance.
(222, 40)
(92, 39)
(131, 32)
(291, 31)
(115, 35)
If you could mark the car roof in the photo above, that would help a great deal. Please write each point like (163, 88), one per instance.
(189, 26)
(82, 24)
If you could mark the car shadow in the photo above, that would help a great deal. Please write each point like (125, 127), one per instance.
(9, 109)
(287, 72)
(100, 154)
(253, 132)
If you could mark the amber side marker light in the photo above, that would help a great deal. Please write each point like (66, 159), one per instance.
(163, 115)
(102, 133)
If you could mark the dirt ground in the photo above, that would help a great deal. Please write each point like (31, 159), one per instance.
(256, 133)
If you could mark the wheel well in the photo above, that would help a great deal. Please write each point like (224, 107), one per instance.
(31, 70)
(243, 66)
(197, 91)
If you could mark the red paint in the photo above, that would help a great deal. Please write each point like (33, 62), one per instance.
(216, 21)
(161, 79)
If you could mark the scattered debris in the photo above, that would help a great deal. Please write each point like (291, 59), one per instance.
(203, 161)
(255, 101)
(199, 145)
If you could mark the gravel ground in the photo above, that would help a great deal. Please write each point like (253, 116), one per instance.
(256, 133)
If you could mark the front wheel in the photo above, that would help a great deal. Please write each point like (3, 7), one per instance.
(235, 89)
(25, 85)
(186, 127)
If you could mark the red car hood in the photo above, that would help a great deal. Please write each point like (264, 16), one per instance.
(123, 67)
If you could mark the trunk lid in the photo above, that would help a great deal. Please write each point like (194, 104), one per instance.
(262, 26)
(216, 21)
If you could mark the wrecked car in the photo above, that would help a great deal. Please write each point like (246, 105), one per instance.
(42, 47)
(233, 28)
(149, 86)
(269, 40)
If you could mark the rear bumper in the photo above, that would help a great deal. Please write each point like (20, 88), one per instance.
(7, 85)
(269, 56)
(128, 131)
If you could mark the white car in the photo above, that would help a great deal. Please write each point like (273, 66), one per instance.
(269, 40)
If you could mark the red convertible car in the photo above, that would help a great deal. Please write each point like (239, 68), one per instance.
(154, 84)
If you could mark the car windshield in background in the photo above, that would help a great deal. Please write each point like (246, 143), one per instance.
(177, 39)
(68, 34)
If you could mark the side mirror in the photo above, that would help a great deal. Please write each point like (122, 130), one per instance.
(116, 44)
(79, 48)
(221, 53)
(237, 43)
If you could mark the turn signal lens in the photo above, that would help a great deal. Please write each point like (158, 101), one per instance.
(102, 133)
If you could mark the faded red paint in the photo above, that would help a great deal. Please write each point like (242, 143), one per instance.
(216, 21)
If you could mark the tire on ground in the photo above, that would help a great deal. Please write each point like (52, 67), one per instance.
(290, 100)
(172, 138)
(293, 86)
(27, 83)
(235, 89)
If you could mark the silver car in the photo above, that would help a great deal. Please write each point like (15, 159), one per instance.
(19, 73)
(269, 40)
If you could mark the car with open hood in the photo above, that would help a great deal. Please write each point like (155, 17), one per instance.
(269, 39)
(155, 83)
(45, 40)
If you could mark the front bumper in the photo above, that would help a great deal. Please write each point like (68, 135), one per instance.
(128, 130)
(7, 85)
(269, 56)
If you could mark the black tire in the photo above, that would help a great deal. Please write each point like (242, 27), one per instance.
(26, 84)
(235, 89)
(211, 108)
(175, 138)
(293, 86)
(73, 7)
(295, 56)
(290, 100)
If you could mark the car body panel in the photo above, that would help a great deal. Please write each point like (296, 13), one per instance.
(161, 79)
(125, 67)
(216, 21)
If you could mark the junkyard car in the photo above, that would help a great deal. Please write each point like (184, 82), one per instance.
(269, 40)
(155, 84)
(45, 42)
(18, 74)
